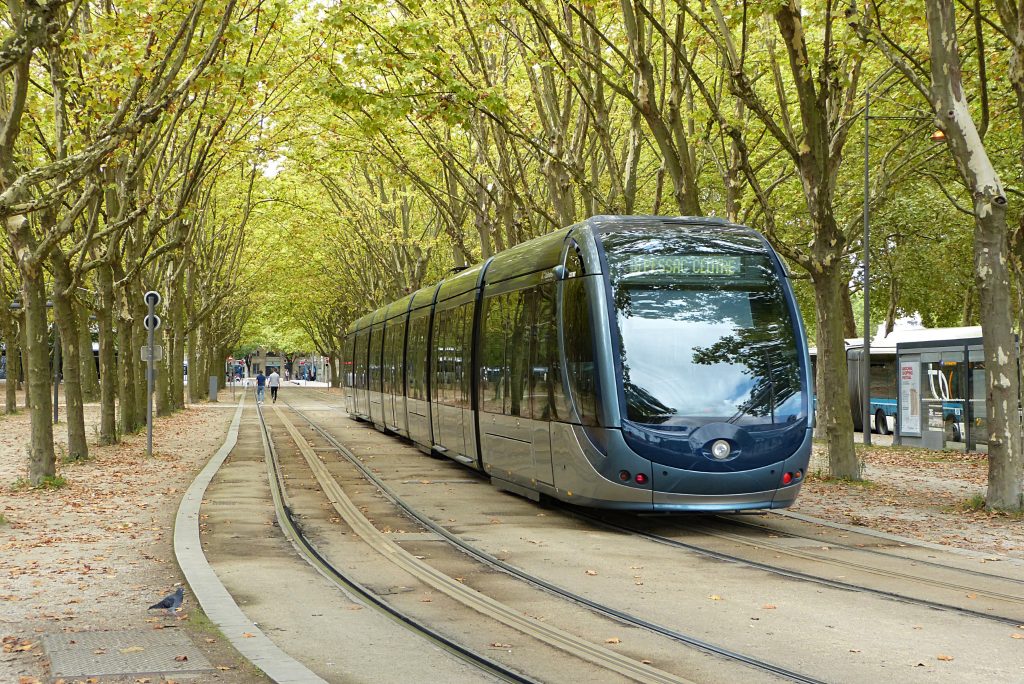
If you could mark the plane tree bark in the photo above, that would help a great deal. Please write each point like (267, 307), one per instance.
(948, 100)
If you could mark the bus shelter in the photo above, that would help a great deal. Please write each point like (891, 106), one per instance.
(940, 397)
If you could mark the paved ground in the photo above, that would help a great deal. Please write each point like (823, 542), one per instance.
(90, 557)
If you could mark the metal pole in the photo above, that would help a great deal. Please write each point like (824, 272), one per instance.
(56, 371)
(149, 379)
(865, 361)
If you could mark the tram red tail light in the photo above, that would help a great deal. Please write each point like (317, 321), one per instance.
(624, 475)
(787, 478)
(641, 478)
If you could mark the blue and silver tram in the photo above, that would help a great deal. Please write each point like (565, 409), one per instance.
(636, 363)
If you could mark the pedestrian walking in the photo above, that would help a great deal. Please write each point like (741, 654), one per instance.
(261, 384)
(274, 381)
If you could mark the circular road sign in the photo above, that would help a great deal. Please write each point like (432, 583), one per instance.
(152, 297)
(151, 322)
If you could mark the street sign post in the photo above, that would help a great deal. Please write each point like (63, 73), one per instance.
(149, 355)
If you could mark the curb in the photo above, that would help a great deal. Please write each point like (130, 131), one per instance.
(217, 603)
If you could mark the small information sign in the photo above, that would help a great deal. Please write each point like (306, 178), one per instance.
(158, 353)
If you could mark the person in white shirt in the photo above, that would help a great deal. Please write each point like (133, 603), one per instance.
(274, 380)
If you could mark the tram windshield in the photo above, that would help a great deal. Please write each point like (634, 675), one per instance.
(705, 333)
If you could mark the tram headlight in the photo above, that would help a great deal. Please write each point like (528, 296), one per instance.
(721, 449)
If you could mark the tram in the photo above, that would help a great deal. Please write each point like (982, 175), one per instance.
(634, 363)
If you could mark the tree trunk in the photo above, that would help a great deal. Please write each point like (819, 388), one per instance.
(991, 253)
(834, 417)
(335, 361)
(89, 375)
(176, 347)
(67, 325)
(41, 462)
(22, 376)
(108, 362)
(849, 321)
(194, 389)
(162, 384)
(13, 370)
(128, 420)
(139, 340)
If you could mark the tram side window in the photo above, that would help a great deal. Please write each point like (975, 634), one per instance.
(376, 346)
(361, 353)
(573, 261)
(456, 355)
(547, 395)
(446, 358)
(437, 357)
(579, 349)
(346, 361)
(492, 355)
(466, 354)
(517, 351)
(416, 358)
(392, 356)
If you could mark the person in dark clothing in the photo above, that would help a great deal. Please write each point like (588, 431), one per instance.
(261, 387)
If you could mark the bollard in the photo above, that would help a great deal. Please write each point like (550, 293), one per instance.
(213, 388)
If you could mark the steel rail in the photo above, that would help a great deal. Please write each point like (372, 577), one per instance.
(808, 555)
(547, 586)
(311, 555)
(795, 574)
(866, 549)
(483, 604)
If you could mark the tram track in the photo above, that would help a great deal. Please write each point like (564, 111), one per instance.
(293, 531)
(608, 523)
(971, 592)
(767, 528)
(540, 583)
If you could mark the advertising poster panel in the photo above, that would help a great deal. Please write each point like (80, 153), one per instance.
(910, 398)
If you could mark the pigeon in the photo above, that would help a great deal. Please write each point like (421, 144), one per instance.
(171, 602)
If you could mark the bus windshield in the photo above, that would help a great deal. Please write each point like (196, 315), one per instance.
(704, 330)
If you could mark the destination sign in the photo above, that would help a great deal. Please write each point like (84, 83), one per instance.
(681, 264)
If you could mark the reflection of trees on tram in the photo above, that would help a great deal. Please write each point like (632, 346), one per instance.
(762, 352)
(520, 373)
(743, 329)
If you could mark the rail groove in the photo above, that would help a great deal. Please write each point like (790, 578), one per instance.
(543, 584)
(309, 552)
(468, 596)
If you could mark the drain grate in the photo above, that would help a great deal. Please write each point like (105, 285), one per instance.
(133, 652)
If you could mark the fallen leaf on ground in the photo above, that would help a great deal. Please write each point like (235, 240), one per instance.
(769, 606)
(181, 658)
(248, 635)
(714, 597)
(944, 657)
(132, 649)
(613, 640)
(1017, 635)
(591, 572)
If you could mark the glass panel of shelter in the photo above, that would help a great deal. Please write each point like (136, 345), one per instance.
(978, 432)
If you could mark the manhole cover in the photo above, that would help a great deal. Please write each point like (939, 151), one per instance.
(133, 652)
